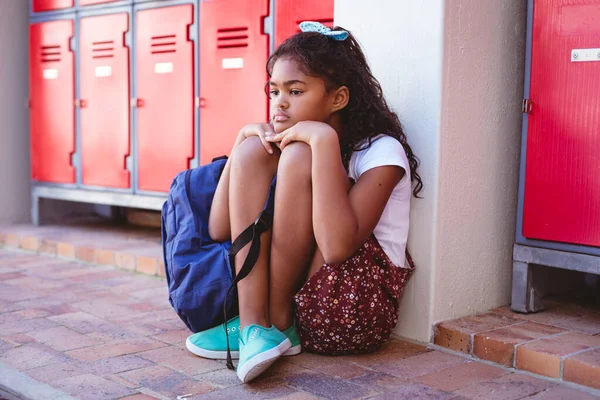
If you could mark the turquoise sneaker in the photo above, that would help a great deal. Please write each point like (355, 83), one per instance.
(292, 334)
(212, 343)
(260, 347)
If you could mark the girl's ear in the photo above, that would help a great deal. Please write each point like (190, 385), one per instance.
(341, 98)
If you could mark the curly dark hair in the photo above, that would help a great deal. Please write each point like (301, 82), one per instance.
(343, 63)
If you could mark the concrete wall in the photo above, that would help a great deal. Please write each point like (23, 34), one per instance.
(454, 72)
(14, 117)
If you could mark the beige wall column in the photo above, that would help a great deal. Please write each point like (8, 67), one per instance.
(482, 92)
(14, 117)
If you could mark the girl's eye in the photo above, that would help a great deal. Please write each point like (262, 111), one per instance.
(295, 92)
(273, 93)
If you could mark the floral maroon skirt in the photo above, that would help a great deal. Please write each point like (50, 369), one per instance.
(351, 307)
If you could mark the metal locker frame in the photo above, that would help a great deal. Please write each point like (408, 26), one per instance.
(124, 197)
(129, 42)
(529, 252)
(193, 34)
(94, 195)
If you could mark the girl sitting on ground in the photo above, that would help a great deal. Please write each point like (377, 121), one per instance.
(332, 268)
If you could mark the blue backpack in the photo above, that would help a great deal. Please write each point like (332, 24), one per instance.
(200, 272)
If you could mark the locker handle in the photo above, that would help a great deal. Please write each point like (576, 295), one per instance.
(81, 103)
(200, 102)
(137, 102)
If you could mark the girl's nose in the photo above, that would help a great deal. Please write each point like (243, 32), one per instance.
(282, 103)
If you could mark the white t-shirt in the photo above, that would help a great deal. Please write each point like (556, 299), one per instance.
(392, 229)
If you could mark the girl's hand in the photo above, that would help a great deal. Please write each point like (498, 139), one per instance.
(304, 131)
(263, 131)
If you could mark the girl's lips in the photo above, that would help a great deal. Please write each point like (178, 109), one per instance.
(281, 118)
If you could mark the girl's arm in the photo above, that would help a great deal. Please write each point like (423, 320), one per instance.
(343, 221)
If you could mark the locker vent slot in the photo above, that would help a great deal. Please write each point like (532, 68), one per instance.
(103, 49)
(163, 44)
(51, 54)
(328, 22)
(228, 38)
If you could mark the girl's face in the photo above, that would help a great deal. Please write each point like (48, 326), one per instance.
(297, 97)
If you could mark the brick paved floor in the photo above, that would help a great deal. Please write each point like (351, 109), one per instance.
(96, 332)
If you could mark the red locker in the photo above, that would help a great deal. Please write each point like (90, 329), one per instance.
(165, 71)
(52, 96)
(289, 13)
(104, 80)
(92, 2)
(51, 5)
(233, 54)
(562, 178)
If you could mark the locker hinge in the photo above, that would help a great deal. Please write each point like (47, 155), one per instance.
(527, 105)
(28, 103)
(80, 103)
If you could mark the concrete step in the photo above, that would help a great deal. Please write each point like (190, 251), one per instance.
(91, 241)
(562, 342)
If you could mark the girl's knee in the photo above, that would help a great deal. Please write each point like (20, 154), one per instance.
(251, 154)
(296, 161)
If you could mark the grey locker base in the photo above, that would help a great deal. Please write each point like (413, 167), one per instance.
(524, 296)
(148, 202)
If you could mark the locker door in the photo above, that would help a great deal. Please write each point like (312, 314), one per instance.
(91, 2)
(52, 94)
(233, 54)
(289, 13)
(104, 80)
(562, 178)
(165, 73)
(51, 5)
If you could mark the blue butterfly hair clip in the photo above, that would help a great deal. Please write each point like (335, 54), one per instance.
(311, 26)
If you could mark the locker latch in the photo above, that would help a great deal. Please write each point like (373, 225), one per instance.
(80, 103)
(200, 102)
(137, 102)
(527, 105)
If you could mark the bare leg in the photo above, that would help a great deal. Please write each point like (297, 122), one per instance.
(317, 262)
(219, 225)
(252, 170)
(293, 240)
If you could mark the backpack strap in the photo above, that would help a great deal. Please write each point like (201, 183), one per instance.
(250, 235)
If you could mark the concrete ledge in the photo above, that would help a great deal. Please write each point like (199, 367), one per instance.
(22, 386)
(92, 241)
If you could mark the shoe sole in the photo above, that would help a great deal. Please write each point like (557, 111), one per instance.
(212, 354)
(294, 350)
(260, 362)
(235, 355)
